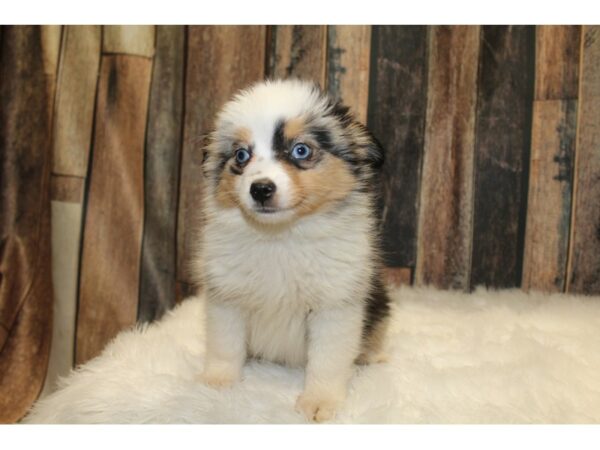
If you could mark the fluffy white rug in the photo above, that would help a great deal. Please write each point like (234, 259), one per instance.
(487, 357)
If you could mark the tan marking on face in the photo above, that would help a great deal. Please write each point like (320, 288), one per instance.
(242, 135)
(330, 181)
(226, 195)
(294, 128)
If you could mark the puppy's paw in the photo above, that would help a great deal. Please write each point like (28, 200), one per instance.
(317, 407)
(219, 377)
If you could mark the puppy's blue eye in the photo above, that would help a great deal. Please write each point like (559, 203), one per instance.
(301, 151)
(242, 155)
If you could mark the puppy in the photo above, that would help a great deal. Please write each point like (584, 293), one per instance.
(289, 254)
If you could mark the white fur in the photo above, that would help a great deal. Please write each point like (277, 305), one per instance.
(487, 357)
(263, 105)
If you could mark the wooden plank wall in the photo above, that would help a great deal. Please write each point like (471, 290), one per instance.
(491, 132)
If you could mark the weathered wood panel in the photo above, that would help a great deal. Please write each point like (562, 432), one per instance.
(212, 53)
(557, 62)
(348, 62)
(552, 153)
(108, 294)
(25, 269)
(161, 174)
(502, 154)
(129, 39)
(550, 188)
(67, 189)
(446, 198)
(50, 36)
(72, 134)
(584, 254)
(397, 276)
(76, 93)
(66, 241)
(396, 116)
(299, 51)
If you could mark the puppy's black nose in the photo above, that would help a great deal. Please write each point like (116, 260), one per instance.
(262, 190)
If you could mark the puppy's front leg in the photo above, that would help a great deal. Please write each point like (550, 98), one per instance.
(333, 344)
(225, 344)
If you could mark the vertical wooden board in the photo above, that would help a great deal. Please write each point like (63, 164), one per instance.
(300, 51)
(71, 136)
(396, 116)
(50, 35)
(397, 276)
(66, 207)
(557, 62)
(552, 153)
(584, 252)
(348, 60)
(212, 52)
(549, 204)
(502, 153)
(161, 174)
(129, 39)
(445, 211)
(66, 239)
(25, 267)
(76, 92)
(110, 266)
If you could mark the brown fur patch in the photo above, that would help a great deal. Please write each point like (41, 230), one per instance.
(226, 195)
(328, 182)
(294, 128)
(242, 135)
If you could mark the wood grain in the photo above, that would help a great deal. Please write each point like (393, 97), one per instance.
(67, 194)
(50, 36)
(72, 125)
(584, 252)
(396, 116)
(397, 276)
(76, 93)
(557, 62)
(552, 154)
(25, 266)
(211, 54)
(502, 154)
(161, 174)
(446, 198)
(128, 39)
(110, 266)
(67, 189)
(299, 51)
(348, 62)
(550, 189)
(66, 242)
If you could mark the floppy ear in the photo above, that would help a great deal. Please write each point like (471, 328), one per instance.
(372, 151)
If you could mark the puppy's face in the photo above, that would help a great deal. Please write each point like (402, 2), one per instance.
(284, 150)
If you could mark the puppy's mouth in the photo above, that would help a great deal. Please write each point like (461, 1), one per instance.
(270, 209)
(273, 210)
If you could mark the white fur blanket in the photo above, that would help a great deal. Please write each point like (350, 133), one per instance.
(487, 357)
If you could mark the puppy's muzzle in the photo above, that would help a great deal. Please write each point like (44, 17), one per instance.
(262, 190)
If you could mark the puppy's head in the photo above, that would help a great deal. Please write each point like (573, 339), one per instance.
(284, 149)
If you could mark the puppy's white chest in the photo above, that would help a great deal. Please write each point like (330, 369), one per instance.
(277, 280)
(308, 267)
